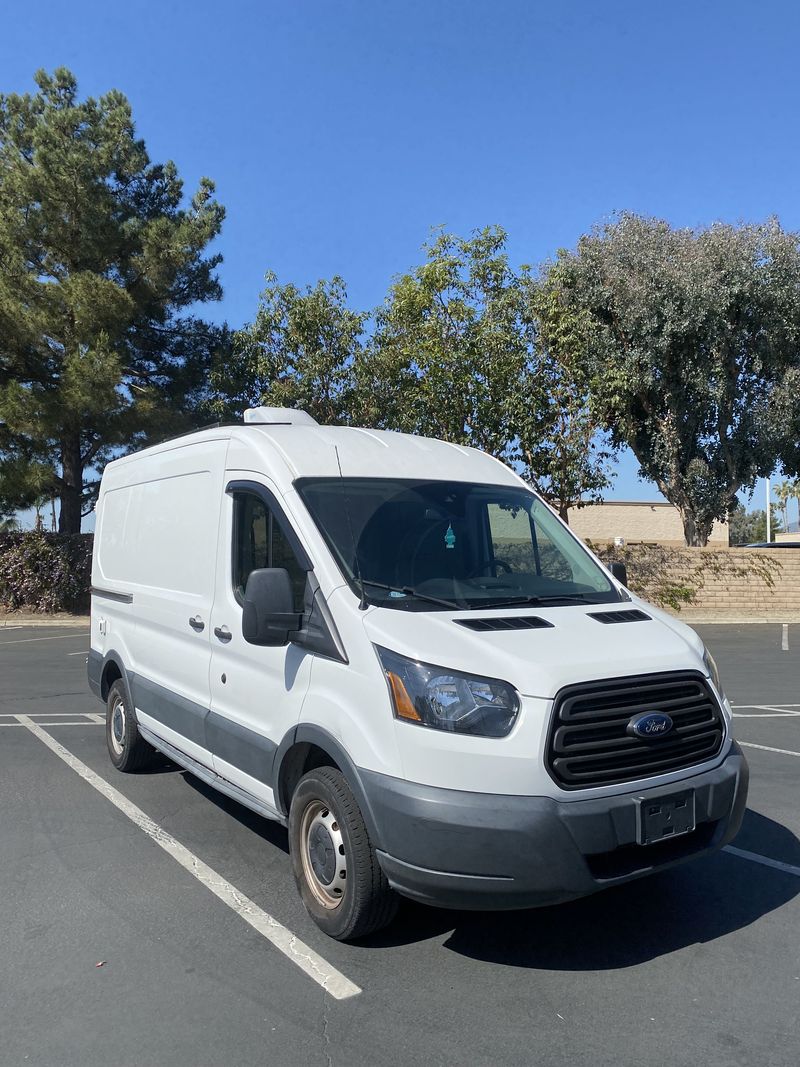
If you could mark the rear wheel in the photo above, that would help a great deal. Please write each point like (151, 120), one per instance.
(126, 746)
(333, 861)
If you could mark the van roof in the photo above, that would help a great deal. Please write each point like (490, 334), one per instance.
(307, 450)
(357, 452)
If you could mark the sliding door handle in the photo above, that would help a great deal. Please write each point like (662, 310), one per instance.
(197, 624)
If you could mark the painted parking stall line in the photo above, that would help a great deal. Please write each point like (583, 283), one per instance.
(53, 718)
(58, 722)
(296, 951)
(765, 711)
(57, 637)
(765, 861)
(768, 748)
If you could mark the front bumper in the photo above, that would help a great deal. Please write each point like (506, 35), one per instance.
(457, 849)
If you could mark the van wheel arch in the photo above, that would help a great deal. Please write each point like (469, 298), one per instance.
(302, 757)
(112, 672)
(312, 747)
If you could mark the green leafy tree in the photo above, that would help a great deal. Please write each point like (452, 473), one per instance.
(795, 484)
(464, 348)
(693, 347)
(451, 344)
(100, 265)
(562, 447)
(299, 352)
(750, 527)
(784, 491)
(787, 491)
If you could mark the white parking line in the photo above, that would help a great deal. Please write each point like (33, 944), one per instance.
(83, 652)
(304, 957)
(781, 705)
(27, 640)
(764, 860)
(60, 722)
(48, 715)
(766, 715)
(785, 638)
(765, 711)
(766, 748)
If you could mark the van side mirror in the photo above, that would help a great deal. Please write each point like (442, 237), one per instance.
(620, 572)
(268, 615)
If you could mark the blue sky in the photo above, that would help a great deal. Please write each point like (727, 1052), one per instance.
(339, 133)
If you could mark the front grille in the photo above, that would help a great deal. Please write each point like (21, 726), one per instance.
(514, 622)
(588, 744)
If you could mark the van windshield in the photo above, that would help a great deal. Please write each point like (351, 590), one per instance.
(432, 545)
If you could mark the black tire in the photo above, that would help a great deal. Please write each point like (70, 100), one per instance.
(346, 893)
(127, 748)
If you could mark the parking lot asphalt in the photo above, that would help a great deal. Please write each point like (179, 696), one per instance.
(700, 964)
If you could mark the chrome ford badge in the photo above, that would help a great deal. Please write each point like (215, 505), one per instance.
(650, 724)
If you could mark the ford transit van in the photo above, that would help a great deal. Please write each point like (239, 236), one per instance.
(395, 648)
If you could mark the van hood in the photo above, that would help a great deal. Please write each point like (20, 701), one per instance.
(538, 662)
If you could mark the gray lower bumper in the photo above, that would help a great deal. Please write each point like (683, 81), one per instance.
(475, 850)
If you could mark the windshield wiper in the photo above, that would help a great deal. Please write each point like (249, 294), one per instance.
(410, 591)
(524, 601)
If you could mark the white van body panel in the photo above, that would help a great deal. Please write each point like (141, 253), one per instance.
(350, 701)
(537, 663)
(262, 693)
(158, 542)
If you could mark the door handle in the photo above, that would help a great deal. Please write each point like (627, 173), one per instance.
(197, 624)
(223, 633)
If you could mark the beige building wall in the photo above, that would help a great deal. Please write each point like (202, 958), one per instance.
(656, 523)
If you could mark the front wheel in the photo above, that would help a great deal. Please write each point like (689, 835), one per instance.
(334, 864)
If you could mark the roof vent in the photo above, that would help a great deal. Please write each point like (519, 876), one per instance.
(279, 417)
(634, 615)
(514, 622)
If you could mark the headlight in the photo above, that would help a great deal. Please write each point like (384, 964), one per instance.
(713, 670)
(448, 700)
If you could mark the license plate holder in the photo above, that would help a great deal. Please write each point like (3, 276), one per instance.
(662, 818)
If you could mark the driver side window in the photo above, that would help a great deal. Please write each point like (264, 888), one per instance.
(259, 541)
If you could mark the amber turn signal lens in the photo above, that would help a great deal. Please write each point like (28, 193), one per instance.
(403, 706)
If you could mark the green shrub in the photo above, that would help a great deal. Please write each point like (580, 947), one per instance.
(671, 577)
(45, 572)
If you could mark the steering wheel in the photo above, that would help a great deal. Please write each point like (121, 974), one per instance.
(488, 563)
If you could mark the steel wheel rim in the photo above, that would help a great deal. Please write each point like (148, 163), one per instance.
(322, 854)
(116, 731)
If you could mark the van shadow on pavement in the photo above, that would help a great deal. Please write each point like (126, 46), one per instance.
(694, 903)
(270, 831)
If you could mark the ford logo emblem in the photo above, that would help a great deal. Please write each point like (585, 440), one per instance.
(650, 724)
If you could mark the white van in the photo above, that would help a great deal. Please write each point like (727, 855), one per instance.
(394, 647)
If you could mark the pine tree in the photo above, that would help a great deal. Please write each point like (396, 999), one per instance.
(99, 264)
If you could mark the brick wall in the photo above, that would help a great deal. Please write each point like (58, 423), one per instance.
(749, 598)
